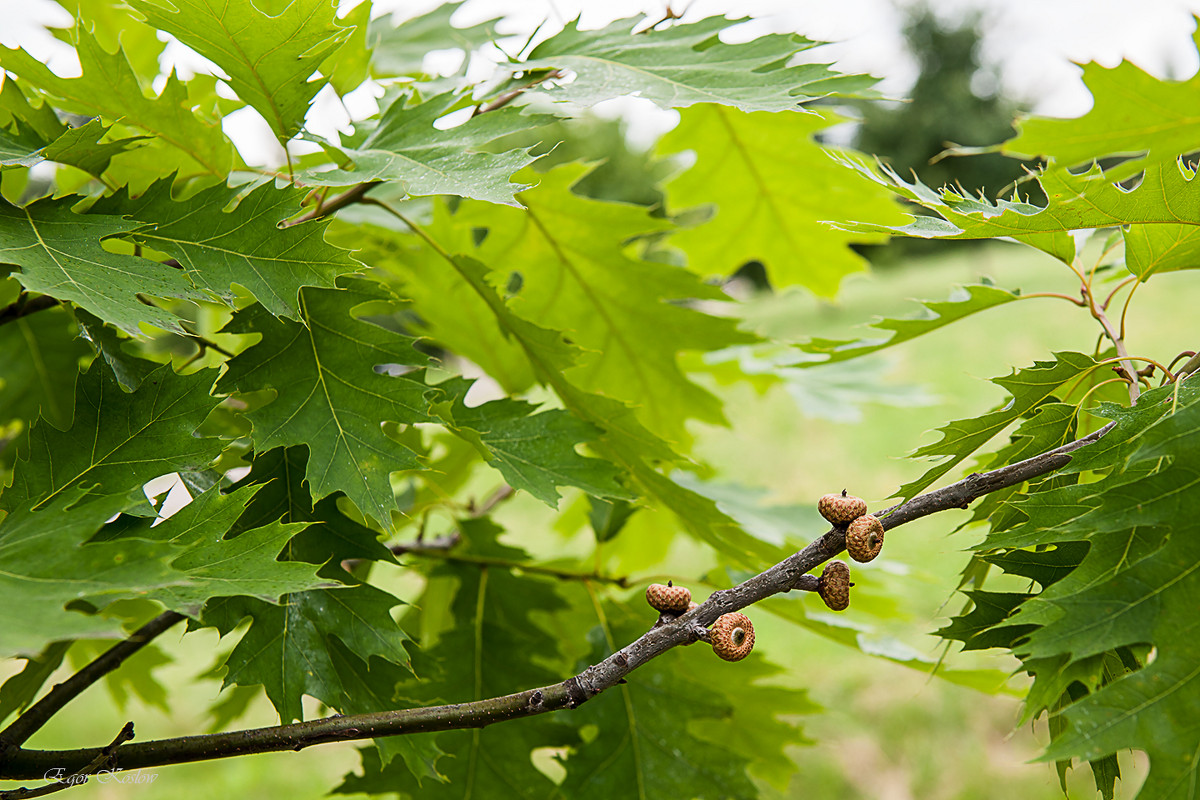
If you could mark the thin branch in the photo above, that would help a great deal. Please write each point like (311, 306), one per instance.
(444, 554)
(1118, 341)
(324, 208)
(789, 574)
(106, 759)
(23, 306)
(40, 712)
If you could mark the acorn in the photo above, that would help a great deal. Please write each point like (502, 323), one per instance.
(669, 598)
(842, 508)
(732, 636)
(834, 585)
(864, 538)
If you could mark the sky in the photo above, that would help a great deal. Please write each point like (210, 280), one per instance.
(1036, 46)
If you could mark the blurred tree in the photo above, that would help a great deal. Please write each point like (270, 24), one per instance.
(956, 100)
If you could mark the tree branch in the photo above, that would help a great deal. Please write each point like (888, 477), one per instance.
(106, 759)
(40, 712)
(23, 306)
(323, 209)
(789, 574)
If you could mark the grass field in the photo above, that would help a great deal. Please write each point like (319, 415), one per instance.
(887, 732)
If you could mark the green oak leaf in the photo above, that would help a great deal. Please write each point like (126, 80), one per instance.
(219, 244)
(781, 180)
(1029, 387)
(405, 147)
(576, 277)
(1133, 114)
(683, 65)
(288, 647)
(452, 312)
(23, 123)
(19, 691)
(282, 493)
(219, 564)
(119, 440)
(1151, 249)
(58, 252)
(330, 395)
(625, 441)
(1165, 200)
(350, 64)
(400, 48)
(20, 146)
(1137, 585)
(81, 147)
(962, 302)
(40, 356)
(108, 88)
(48, 564)
(268, 58)
(533, 451)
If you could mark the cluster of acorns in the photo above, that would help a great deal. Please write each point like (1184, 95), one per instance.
(731, 636)
(864, 540)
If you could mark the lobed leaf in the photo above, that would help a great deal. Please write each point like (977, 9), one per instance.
(771, 188)
(576, 277)
(58, 252)
(221, 238)
(289, 649)
(267, 58)
(332, 394)
(1029, 387)
(406, 148)
(109, 88)
(118, 440)
(683, 65)
(962, 302)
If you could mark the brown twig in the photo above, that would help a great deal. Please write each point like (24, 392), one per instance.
(789, 574)
(513, 94)
(326, 207)
(1118, 342)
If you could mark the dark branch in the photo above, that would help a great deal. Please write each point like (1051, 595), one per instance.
(24, 305)
(40, 712)
(789, 574)
(105, 759)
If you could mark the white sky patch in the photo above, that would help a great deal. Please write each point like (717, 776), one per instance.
(1035, 45)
